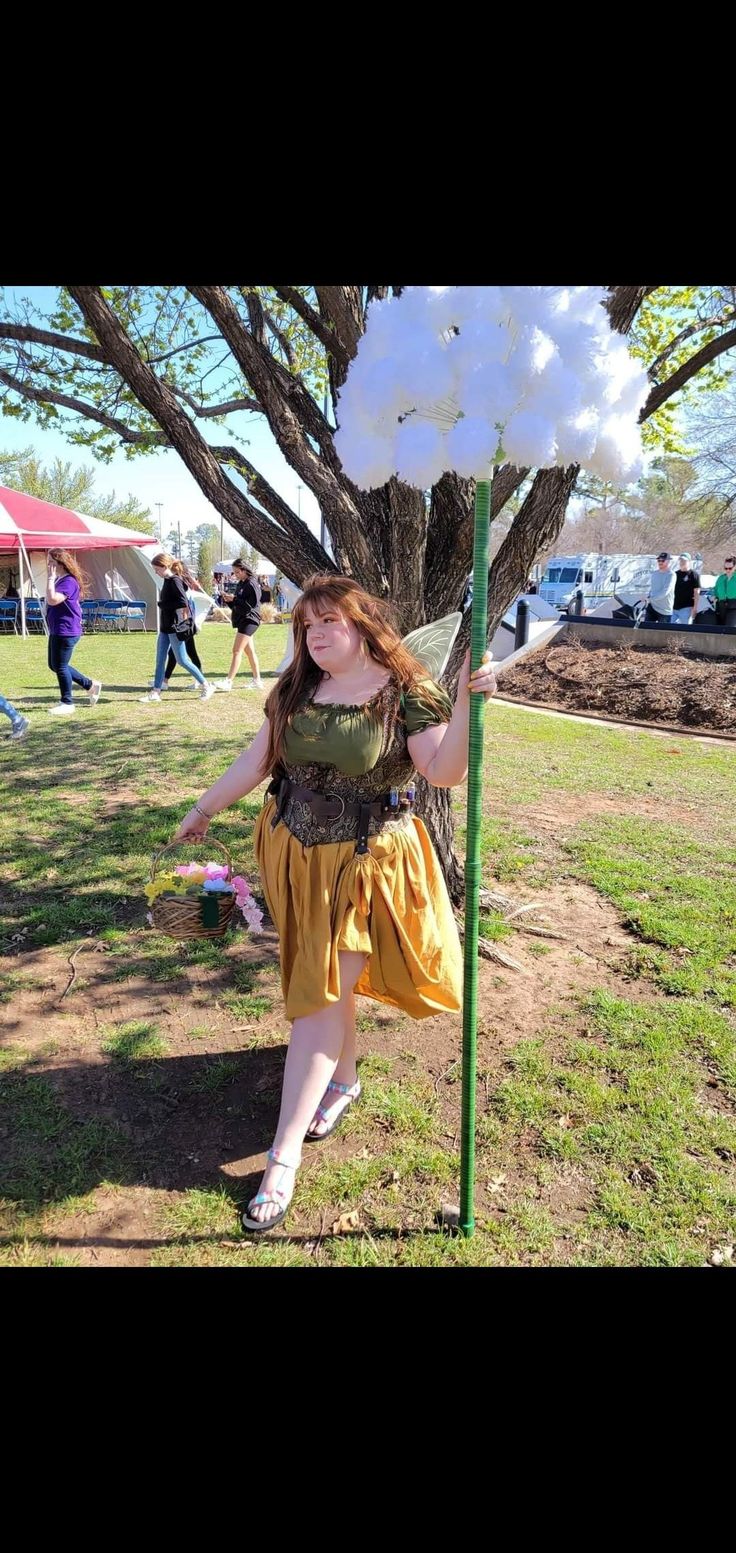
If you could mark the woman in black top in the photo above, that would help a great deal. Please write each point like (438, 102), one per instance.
(246, 618)
(174, 607)
(190, 581)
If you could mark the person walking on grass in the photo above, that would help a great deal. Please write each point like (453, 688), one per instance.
(350, 876)
(19, 724)
(175, 627)
(190, 581)
(246, 618)
(64, 588)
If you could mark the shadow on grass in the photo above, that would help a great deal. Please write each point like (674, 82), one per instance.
(159, 1123)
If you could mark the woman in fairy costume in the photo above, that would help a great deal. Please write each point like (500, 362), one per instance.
(349, 873)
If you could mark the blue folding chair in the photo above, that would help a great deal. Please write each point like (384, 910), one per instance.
(136, 611)
(34, 615)
(9, 610)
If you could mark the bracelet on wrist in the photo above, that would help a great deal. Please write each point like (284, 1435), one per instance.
(203, 812)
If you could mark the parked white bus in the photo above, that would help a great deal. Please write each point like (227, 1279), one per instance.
(599, 576)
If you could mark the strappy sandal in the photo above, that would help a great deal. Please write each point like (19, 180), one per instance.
(352, 1091)
(276, 1195)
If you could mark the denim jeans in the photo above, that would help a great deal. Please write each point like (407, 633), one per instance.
(169, 639)
(60, 652)
(10, 711)
(681, 617)
(655, 617)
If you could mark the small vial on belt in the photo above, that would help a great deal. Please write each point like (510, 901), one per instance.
(393, 798)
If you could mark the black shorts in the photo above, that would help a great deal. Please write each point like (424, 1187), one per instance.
(246, 627)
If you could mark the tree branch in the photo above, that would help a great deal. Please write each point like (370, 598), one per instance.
(664, 391)
(311, 318)
(65, 342)
(80, 407)
(685, 334)
(227, 408)
(287, 407)
(160, 402)
(277, 507)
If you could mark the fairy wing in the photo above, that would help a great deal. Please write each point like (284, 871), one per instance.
(433, 644)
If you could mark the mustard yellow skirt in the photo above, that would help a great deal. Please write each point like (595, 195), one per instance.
(391, 904)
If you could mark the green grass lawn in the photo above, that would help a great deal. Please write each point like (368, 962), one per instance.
(608, 1137)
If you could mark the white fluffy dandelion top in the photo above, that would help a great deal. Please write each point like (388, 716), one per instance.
(453, 377)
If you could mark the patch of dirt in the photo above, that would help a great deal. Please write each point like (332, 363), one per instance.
(669, 689)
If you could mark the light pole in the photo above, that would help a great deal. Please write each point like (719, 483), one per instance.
(159, 505)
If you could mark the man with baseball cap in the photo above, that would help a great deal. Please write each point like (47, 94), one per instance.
(661, 591)
(687, 592)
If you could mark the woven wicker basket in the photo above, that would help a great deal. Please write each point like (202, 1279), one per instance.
(182, 916)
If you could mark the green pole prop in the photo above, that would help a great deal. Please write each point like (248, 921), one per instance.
(478, 633)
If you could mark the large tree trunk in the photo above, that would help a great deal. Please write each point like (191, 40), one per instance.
(434, 807)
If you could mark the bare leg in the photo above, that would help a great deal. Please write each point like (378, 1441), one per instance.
(345, 1073)
(315, 1047)
(250, 653)
(235, 661)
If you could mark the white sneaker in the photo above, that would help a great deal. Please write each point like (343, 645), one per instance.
(258, 684)
(20, 729)
(93, 694)
(206, 692)
(151, 682)
(153, 695)
(223, 684)
(62, 709)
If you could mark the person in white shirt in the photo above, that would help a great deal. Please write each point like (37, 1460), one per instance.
(661, 597)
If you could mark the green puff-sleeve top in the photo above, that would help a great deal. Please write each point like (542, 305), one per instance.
(350, 737)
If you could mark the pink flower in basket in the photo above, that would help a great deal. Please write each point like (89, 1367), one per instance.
(247, 905)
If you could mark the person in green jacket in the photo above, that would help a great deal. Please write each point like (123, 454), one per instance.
(725, 592)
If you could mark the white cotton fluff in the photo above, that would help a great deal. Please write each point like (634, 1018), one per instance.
(488, 392)
(624, 378)
(471, 447)
(555, 392)
(618, 454)
(427, 376)
(576, 438)
(379, 390)
(587, 305)
(530, 306)
(419, 453)
(479, 304)
(532, 351)
(478, 341)
(380, 328)
(540, 362)
(529, 439)
(366, 459)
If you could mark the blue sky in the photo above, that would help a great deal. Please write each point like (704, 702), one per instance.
(161, 477)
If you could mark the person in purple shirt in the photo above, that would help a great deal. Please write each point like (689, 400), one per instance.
(64, 620)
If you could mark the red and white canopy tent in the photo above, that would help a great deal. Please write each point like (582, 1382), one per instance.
(29, 525)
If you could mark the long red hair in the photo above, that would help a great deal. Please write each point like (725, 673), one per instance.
(71, 565)
(372, 617)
